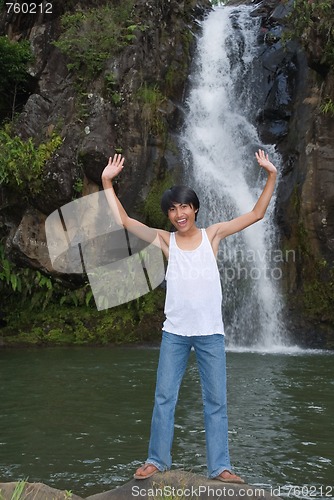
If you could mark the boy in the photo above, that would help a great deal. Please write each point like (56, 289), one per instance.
(193, 316)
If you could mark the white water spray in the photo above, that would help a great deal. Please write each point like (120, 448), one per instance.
(219, 141)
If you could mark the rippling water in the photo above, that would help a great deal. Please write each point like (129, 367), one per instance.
(79, 418)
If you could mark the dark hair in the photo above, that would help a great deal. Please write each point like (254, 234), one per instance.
(179, 194)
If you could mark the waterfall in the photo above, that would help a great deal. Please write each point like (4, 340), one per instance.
(218, 143)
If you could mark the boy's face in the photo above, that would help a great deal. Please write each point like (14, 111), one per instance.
(182, 216)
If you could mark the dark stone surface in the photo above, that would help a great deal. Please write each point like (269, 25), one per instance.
(171, 484)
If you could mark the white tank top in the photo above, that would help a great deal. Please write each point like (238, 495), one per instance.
(194, 296)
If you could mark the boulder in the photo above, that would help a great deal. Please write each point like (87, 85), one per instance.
(182, 484)
(37, 491)
(170, 484)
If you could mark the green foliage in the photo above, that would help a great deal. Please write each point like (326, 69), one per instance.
(314, 17)
(151, 100)
(18, 491)
(136, 321)
(317, 277)
(150, 95)
(154, 216)
(112, 88)
(327, 107)
(7, 275)
(318, 290)
(26, 285)
(78, 187)
(29, 287)
(22, 162)
(110, 80)
(90, 37)
(67, 316)
(14, 59)
(30, 290)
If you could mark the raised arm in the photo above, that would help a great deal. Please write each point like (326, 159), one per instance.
(219, 231)
(114, 167)
(157, 236)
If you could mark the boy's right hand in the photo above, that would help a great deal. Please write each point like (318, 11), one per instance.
(115, 165)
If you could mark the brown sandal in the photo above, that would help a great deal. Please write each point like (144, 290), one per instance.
(150, 474)
(232, 478)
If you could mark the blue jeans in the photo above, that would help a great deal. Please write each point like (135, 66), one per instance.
(211, 360)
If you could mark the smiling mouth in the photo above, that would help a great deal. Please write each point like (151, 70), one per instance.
(181, 222)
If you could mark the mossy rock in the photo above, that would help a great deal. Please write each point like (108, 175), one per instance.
(137, 321)
(154, 216)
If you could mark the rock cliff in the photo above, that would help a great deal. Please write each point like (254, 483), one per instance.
(295, 118)
(297, 85)
(131, 102)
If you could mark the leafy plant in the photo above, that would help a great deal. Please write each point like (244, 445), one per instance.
(78, 186)
(26, 284)
(18, 491)
(29, 287)
(328, 107)
(14, 59)
(151, 101)
(7, 274)
(92, 36)
(310, 19)
(22, 162)
(154, 216)
(112, 88)
(110, 81)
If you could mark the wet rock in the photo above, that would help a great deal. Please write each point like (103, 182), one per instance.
(28, 243)
(281, 11)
